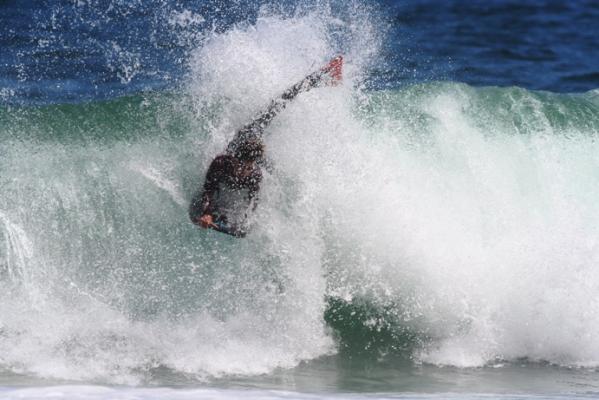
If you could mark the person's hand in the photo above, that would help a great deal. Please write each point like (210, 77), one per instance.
(206, 221)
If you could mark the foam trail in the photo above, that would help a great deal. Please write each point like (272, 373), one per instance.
(162, 182)
(100, 393)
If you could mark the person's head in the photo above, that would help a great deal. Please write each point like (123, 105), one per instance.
(251, 150)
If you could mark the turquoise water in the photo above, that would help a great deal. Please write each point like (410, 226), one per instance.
(480, 234)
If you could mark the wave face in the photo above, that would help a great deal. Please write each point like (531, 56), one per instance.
(442, 223)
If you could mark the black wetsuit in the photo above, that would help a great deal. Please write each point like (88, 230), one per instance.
(224, 170)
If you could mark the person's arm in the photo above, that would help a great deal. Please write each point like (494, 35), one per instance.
(258, 124)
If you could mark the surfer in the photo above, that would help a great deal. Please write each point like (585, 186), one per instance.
(238, 169)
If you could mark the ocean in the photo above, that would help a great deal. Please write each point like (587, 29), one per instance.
(429, 229)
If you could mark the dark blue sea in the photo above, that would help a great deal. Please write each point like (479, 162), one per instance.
(74, 51)
(428, 229)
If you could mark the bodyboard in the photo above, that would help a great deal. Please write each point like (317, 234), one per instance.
(232, 211)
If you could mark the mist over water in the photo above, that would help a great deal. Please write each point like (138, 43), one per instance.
(438, 223)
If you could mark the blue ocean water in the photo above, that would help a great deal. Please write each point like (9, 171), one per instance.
(540, 45)
(56, 51)
(429, 228)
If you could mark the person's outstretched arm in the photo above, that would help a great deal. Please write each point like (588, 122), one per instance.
(331, 73)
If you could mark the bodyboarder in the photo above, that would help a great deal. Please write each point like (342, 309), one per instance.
(238, 170)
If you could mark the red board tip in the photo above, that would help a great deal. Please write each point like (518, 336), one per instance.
(334, 69)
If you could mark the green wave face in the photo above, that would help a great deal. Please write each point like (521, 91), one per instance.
(422, 223)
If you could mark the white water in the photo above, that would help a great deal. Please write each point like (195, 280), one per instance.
(481, 223)
(476, 224)
(101, 393)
